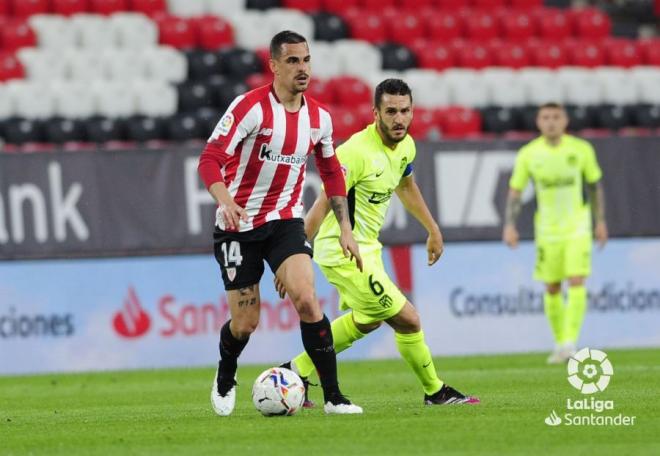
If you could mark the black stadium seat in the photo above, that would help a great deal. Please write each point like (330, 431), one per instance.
(103, 129)
(59, 131)
(527, 117)
(224, 90)
(647, 116)
(240, 63)
(145, 128)
(204, 64)
(194, 95)
(183, 127)
(207, 118)
(329, 27)
(612, 117)
(263, 4)
(580, 117)
(500, 119)
(20, 131)
(397, 57)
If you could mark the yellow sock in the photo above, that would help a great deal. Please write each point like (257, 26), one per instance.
(418, 356)
(555, 313)
(344, 333)
(577, 306)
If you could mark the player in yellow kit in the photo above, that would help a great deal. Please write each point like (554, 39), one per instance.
(377, 162)
(559, 165)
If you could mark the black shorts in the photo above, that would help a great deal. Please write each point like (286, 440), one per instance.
(241, 255)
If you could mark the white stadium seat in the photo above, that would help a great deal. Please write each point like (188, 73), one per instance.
(250, 31)
(647, 81)
(358, 57)
(6, 103)
(43, 64)
(504, 87)
(376, 77)
(124, 65)
(226, 8)
(114, 99)
(165, 63)
(32, 100)
(73, 100)
(428, 87)
(188, 8)
(541, 86)
(279, 19)
(615, 86)
(579, 86)
(155, 98)
(84, 65)
(93, 31)
(134, 30)
(52, 31)
(325, 61)
(466, 88)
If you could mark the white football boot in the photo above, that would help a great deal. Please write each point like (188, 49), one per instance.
(223, 405)
(338, 404)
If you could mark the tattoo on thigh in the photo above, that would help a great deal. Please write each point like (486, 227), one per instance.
(246, 290)
(247, 302)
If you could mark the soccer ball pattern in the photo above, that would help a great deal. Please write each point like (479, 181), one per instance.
(278, 391)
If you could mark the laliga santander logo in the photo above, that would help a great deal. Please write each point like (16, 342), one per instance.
(131, 321)
(589, 371)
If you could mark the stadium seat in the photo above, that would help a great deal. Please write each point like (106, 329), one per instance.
(207, 118)
(123, 65)
(93, 31)
(226, 90)
(148, 7)
(517, 26)
(500, 119)
(338, 6)
(612, 117)
(53, 32)
(580, 117)
(225, 8)
(6, 104)
(591, 23)
(405, 28)
(425, 126)
(213, 32)
(345, 122)
(10, 67)
(541, 86)
(504, 88)
(553, 24)
(83, 65)
(366, 25)
(550, 55)
(585, 54)
(16, 34)
(647, 81)
(184, 127)
(472, 55)
(350, 91)
(176, 32)
(326, 63)
(527, 117)
(203, 64)
(329, 27)
(623, 53)
(511, 55)
(433, 55)
(108, 7)
(187, 8)
(240, 63)
(73, 100)
(416, 5)
(102, 129)
(481, 25)
(69, 7)
(31, 100)
(59, 131)
(647, 116)
(466, 88)
(262, 4)
(525, 4)
(443, 26)
(309, 6)
(261, 79)
(323, 91)
(250, 31)
(358, 58)
(164, 63)
(155, 98)
(21, 131)
(460, 122)
(26, 8)
(397, 57)
(42, 65)
(113, 100)
(278, 19)
(616, 87)
(579, 87)
(650, 50)
(143, 129)
(194, 95)
(134, 31)
(429, 88)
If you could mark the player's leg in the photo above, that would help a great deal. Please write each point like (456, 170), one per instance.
(414, 350)
(242, 266)
(578, 267)
(549, 269)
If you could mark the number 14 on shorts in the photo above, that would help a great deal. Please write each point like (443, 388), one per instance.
(232, 253)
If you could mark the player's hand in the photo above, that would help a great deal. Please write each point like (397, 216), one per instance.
(279, 287)
(601, 234)
(434, 247)
(510, 236)
(232, 214)
(350, 247)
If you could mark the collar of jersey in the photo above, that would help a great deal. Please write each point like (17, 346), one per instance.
(302, 103)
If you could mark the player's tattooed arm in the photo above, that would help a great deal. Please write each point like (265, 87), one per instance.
(339, 205)
(597, 200)
(510, 234)
(350, 248)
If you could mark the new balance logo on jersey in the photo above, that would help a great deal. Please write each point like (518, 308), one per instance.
(265, 132)
(266, 154)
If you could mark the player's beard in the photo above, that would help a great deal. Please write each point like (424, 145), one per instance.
(386, 131)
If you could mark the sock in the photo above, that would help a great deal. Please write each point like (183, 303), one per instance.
(344, 333)
(577, 306)
(230, 350)
(555, 313)
(318, 343)
(418, 356)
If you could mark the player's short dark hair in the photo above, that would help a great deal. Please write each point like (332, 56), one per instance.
(551, 105)
(391, 87)
(284, 37)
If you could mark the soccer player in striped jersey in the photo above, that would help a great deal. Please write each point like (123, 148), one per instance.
(560, 165)
(378, 163)
(254, 166)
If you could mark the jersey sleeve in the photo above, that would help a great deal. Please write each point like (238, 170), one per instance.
(591, 169)
(240, 119)
(351, 164)
(326, 159)
(410, 158)
(520, 176)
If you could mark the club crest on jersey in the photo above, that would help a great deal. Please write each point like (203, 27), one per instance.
(315, 135)
(231, 274)
(267, 154)
(224, 125)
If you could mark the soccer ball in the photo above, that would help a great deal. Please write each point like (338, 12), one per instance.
(278, 391)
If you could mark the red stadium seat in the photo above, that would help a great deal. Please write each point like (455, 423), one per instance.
(5, 8)
(25, 8)
(69, 7)
(303, 5)
(525, 4)
(473, 55)
(108, 6)
(322, 91)
(365, 113)
(650, 50)
(339, 6)
(460, 122)
(17, 34)
(488, 4)
(149, 7)
(350, 91)
(517, 25)
(176, 32)
(550, 55)
(480, 25)
(591, 23)
(259, 79)
(623, 53)
(345, 122)
(585, 54)
(443, 25)
(416, 5)
(452, 4)
(264, 57)
(434, 55)
(376, 5)
(424, 124)
(213, 32)
(511, 55)
(405, 28)
(10, 67)
(553, 24)
(366, 25)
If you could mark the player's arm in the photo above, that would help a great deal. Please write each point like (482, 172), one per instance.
(517, 184)
(412, 199)
(316, 215)
(597, 200)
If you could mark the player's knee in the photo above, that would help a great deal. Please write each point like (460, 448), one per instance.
(553, 288)
(305, 303)
(412, 322)
(245, 327)
(576, 281)
(367, 328)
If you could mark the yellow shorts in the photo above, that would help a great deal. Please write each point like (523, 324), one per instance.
(371, 294)
(559, 260)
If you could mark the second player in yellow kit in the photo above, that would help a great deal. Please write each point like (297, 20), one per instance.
(377, 162)
(560, 166)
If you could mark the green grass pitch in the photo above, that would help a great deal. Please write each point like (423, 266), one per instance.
(168, 412)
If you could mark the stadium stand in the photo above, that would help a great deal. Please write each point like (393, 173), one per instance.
(147, 70)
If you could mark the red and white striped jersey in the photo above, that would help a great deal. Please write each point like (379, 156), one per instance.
(259, 150)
